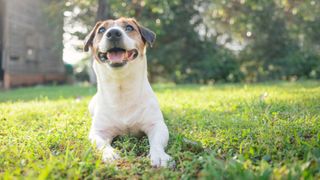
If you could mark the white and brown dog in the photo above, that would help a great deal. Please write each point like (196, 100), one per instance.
(125, 102)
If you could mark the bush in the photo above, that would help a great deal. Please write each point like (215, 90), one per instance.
(300, 64)
(217, 66)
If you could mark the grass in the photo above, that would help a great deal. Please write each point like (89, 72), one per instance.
(228, 131)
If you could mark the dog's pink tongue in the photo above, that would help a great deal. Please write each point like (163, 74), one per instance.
(116, 56)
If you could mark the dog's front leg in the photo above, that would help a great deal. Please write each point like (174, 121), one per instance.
(158, 136)
(103, 143)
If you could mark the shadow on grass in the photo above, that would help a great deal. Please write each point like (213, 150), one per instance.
(253, 122)
(223, 86)
(47, 92)
(75, 91)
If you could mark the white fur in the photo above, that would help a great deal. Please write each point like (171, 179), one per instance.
(125, 103)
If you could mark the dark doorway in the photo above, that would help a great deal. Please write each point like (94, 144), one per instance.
(2, 6)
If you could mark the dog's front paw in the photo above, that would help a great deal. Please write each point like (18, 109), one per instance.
(161, 160)
(109, 155)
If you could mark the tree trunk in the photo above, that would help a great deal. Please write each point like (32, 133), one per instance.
(103, 12)
(136, 5)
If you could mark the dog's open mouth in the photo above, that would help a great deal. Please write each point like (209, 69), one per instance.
(117, 57)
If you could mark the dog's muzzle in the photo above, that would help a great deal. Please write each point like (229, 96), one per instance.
(116, 55)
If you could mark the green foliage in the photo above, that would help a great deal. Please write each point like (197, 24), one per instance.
(278, 36)
(81, 70)
(302, 64)
(273, 36)
(204, 41)
(262, 131)
(215, 66)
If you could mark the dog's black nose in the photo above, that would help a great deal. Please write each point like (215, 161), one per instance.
(114, 35)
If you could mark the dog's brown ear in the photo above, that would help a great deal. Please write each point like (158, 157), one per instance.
(89, 38)
(147, 35)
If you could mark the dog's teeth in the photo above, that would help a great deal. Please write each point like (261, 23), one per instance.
(103, 58)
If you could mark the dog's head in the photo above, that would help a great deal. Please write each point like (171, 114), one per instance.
(118, 42)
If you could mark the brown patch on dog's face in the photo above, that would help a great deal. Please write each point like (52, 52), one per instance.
(133, 36)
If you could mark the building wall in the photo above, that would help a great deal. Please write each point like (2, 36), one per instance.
(32, 45)
(1, 41)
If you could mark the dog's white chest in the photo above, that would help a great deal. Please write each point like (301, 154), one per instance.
(118, 120)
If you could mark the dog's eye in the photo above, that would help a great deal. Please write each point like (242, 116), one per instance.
(129, 28)
(101, 30)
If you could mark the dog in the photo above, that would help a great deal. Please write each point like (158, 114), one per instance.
(125, 102)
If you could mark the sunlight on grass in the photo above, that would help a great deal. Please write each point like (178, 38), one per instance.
(222, 131)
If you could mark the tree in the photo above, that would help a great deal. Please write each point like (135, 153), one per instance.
(204, 41)
(103, 11)
(270, 32)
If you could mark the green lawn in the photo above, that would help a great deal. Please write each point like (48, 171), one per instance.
(226, 131)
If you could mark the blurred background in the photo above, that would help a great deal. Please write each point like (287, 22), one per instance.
(198, 41)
